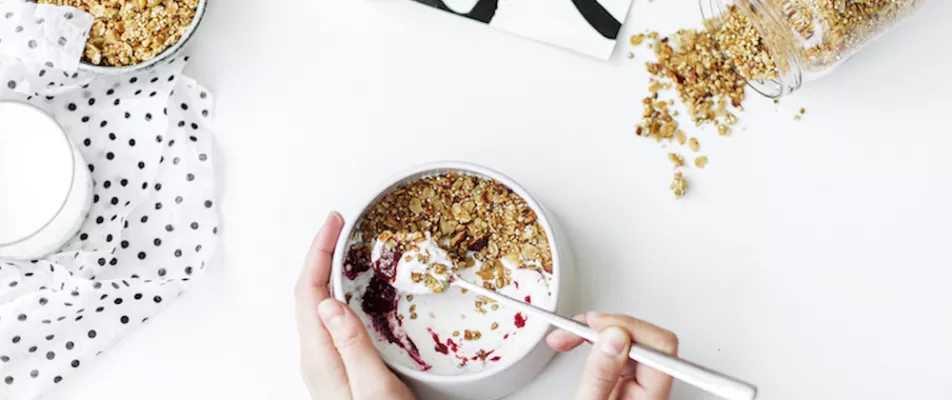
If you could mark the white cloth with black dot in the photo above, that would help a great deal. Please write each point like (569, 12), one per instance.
(153, 223)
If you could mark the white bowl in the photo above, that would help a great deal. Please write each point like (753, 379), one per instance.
(168, 53)
(515, 370)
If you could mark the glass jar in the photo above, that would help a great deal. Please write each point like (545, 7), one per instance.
(809, 38)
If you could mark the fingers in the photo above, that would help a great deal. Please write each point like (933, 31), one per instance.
(641, 332)
(604, 364)
(311, 287)
(562, 340)
(366, 372)
(321, 367)
(655, 384)
(317, 265)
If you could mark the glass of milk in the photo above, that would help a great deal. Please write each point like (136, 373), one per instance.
(45, 187)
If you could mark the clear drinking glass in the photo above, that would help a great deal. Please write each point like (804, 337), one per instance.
(809, 38)
(45, 186)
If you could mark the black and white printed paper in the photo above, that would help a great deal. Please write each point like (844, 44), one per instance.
(586, 26)
(147, 140)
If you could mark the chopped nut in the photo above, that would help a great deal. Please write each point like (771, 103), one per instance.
(723, 130)
(730, 119)
(676, 160)
(679, 186)
(694, 145)
(637, 39)
(416, 206)
(440, 269)
(682, 138)
(495, 325)
(471, 335)
(700, 161)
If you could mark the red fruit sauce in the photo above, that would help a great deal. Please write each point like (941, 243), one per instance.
(520, 320)
(380, 299)
(356, 262)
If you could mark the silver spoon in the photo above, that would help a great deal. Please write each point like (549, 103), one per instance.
(706, 379)
(695, 375)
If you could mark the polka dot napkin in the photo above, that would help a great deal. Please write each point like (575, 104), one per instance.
(153, 222)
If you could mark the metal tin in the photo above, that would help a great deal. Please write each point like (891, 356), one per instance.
(520, 368)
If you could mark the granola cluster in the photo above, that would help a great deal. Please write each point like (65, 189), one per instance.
(707, 68)
(740, 42)
(693, 63)
(437, 275)
(477, 221)
(831, 30)
(128, 32)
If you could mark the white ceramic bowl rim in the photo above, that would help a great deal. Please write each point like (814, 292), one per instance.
(164, 55)
(476, 170)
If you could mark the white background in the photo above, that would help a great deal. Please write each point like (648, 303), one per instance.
(810, 257)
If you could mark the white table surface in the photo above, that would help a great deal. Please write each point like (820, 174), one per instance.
(810, 257)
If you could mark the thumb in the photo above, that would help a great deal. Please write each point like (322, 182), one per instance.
(604, 364)
(366, 372)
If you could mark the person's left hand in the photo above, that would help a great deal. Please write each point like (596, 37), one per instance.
(338, 360)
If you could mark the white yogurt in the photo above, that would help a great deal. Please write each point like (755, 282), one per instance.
(410, 263)
(429, 321)
(45, 187)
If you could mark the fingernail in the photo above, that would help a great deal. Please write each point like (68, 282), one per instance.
(594, 314)
(612, 341)
(335, 216)
(331, 312)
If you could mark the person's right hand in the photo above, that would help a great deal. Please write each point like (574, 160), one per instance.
(609, 374)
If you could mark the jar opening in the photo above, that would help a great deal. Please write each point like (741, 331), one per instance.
(771, 32)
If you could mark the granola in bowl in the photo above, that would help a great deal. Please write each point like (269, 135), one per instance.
(490, 236)
(131, 32)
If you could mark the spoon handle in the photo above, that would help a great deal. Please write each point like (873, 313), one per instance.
(709, 380)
